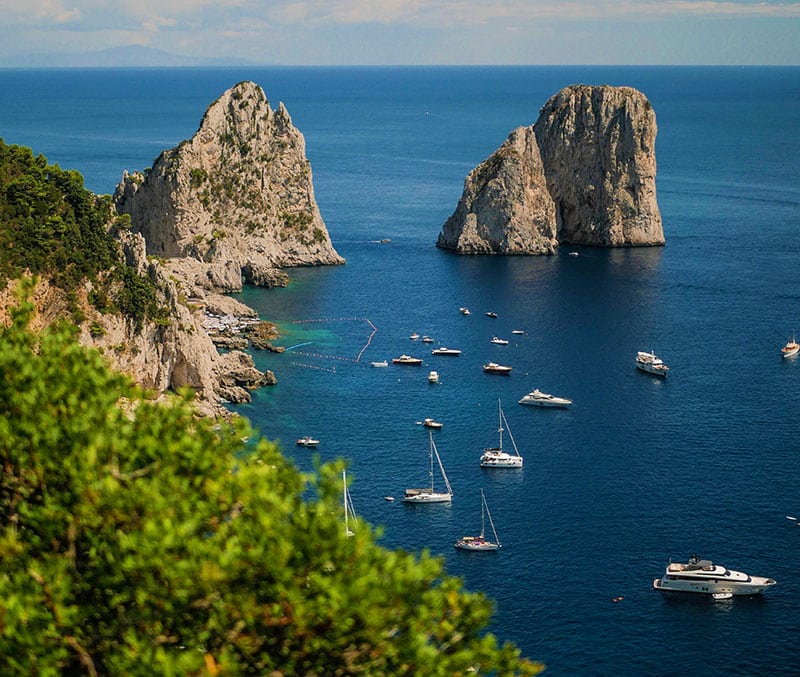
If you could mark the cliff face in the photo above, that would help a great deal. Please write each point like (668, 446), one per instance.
(165, 355)
(235, 201)
(598, 149)
(505, 207)
(583, 174)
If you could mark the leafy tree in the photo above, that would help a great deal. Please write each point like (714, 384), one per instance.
(137, 538)
(53, 227)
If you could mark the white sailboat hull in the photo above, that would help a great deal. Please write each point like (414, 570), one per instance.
(425, 496)
(473, 544)
(500, 459)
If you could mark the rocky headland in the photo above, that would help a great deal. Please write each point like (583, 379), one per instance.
(233, 204)
(584, 173)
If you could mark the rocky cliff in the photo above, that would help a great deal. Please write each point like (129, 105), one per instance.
(584, 173)
(165, 354)
(598, 149)
(234, 202)
(505, 207)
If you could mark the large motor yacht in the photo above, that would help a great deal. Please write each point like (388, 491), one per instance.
(651, 363)
(536, 398)
(704, 577)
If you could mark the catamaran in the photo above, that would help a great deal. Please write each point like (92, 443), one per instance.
(429, 494)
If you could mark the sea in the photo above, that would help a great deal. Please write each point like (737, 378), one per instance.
(639, 471)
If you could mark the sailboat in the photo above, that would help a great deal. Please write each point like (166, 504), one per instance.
(349, 510)
(429, 494)
(495, 457)
(480, 542)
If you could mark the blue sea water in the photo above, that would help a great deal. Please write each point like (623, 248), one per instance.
(640, 470)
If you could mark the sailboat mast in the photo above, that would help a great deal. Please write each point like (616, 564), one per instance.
(430, 435)
(500, 429)
(344, 502)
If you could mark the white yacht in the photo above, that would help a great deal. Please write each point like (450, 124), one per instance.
(446, 351)
(429, 494)
(494, 368)
(499, 341)
(650, 363)
(406, 359)
(536, 398)
(704, 577)
(496, 457)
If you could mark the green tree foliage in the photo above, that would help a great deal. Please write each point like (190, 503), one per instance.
(49, 223)
(142, 540)
(52, 226)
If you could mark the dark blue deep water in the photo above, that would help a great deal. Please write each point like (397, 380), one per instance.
(639, 471)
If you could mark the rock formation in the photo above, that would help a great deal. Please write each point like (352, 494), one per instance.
(584, 173)
(236, 201)
(505, 207)
(598, 149)
(163, 355)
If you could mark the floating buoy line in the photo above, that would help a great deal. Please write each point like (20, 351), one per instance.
(356, 359)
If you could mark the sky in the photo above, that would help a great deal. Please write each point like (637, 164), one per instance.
(411, 32)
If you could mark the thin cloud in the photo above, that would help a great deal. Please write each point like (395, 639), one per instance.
(434, 14)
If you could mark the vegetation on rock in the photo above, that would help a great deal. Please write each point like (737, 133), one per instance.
(51, 226)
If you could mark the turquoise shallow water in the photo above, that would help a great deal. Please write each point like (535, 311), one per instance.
(639, 471)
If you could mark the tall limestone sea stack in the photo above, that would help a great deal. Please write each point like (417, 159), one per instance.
(505, 208)
(234, 202)
(595, 148)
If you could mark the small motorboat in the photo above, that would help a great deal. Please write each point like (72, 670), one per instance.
(427, 339)
(791, 348)
(464, 311)
(430, 423)
(414, 336)
(433, 376)
(384, 363)
(517, 331)
(491, 314)
(499, 341)
(307, 442)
